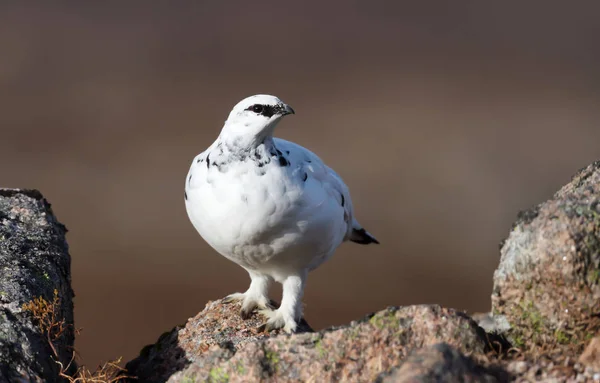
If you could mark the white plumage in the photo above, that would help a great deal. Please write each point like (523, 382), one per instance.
(269, 205)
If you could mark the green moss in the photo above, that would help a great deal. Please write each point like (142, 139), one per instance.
(518, 341)
(561, 337)
(594, 277)
(320, 349)
(386, 319)
(187, 379)
(589, 336)
(240, 369)
(529, 328)
(272, 358)
(536, 321)
(217, 375)
(532, 317)
(354, 332)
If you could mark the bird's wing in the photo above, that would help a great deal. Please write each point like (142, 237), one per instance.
(310, 165)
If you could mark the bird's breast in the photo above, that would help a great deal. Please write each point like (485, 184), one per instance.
(243, 207)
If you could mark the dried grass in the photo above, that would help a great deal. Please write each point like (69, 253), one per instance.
(46, 316)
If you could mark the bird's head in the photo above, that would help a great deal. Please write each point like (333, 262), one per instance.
(253, 119)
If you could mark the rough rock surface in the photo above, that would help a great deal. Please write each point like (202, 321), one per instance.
(591, 355)
(548, 282)
(218, 325)
(218, 346)
(35, 261)
(441, 363)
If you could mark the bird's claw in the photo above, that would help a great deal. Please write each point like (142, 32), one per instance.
(246, 312)
(249, 304)
(277, 321)
(232, 298)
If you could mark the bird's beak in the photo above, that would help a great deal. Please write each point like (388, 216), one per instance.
(286, 109)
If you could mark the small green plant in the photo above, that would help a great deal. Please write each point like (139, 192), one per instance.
(561, 337)
(320, 349)
(217, 375)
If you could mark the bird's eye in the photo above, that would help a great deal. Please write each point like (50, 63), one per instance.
(257, 108)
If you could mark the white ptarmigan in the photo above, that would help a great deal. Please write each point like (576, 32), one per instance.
(269, 205)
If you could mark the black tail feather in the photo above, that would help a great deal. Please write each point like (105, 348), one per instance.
(362, 237)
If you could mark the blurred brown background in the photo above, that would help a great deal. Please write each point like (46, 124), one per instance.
(444, 118)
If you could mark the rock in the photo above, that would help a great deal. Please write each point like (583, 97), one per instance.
(548, 282)
(441, 363)
(496, 324)
(217, 345)
(591, 355)
(218, 326)
(545, 369)
(35, 261)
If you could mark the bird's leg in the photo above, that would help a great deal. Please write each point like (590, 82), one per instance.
(254, 297)
(289, 313)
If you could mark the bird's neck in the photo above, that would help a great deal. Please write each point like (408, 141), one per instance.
(247, 136)
(241, 149)
(245, 143)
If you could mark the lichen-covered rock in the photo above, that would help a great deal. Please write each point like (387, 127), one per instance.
(218, 326)
(442, 363)
(34, 262)
(548, 282)
(217, 345)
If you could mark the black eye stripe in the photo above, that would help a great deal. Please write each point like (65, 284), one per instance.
(264, 110)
